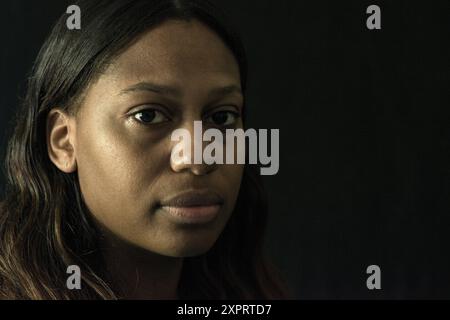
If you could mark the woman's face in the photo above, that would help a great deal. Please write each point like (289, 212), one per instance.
(174, 74)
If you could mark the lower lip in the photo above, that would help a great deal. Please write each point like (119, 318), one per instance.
(192, 215)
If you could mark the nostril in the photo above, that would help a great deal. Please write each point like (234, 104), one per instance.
(203, 169)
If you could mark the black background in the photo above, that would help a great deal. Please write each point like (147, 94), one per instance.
(364, 135)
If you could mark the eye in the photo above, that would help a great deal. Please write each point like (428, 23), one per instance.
(149, 116)
(223, 118)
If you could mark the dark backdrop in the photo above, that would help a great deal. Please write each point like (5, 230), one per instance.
(364, 128)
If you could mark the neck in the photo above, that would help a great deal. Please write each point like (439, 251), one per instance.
(140, 274)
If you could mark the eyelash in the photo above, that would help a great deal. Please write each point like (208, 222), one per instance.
(235, 114)
(133, 115)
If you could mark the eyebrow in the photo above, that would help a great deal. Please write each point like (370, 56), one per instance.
(147, 86)
(176, 92)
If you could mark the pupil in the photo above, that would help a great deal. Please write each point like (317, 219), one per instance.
(220, 117)
(147, 116)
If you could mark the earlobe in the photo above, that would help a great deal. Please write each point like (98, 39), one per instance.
(60, 140)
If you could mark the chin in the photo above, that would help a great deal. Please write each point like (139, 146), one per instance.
(189, 247)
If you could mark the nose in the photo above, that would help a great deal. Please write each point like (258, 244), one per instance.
(188, 141)
(196, 169)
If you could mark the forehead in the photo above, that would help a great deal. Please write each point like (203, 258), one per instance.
(177, 51)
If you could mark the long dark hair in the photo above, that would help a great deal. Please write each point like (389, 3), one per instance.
(45, 225)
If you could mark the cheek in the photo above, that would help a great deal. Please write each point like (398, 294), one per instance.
(113, 171)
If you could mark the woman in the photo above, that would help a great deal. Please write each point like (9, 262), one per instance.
(91, 181)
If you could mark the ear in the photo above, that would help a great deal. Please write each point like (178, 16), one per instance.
(61, 140)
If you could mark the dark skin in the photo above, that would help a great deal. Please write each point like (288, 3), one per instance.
(119, 142)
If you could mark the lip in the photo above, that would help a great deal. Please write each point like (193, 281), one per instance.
(192, 207)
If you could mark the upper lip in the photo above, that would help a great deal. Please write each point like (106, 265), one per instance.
(193, 198)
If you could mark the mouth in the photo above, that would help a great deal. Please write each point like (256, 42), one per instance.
(192, 207)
